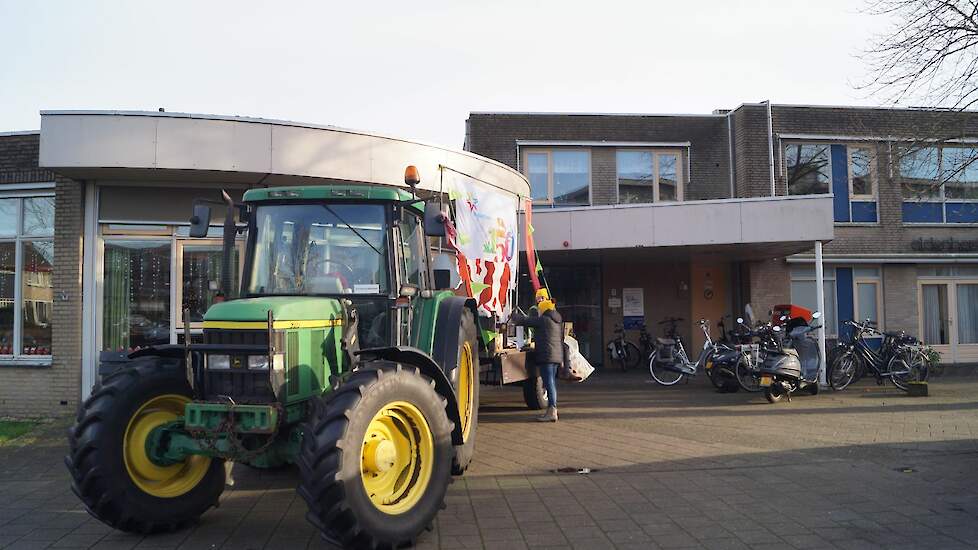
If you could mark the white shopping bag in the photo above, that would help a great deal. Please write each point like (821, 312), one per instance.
(575, 368)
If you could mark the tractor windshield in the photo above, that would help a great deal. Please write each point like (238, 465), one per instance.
(318, 249)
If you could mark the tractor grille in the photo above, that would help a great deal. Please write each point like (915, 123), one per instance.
(241, 385)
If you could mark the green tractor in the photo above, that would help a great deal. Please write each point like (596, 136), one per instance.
(337, 354)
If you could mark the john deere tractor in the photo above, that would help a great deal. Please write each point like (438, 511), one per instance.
(336, 353)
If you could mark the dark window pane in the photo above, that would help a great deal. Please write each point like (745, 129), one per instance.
(859, 171)
(919, 172)
(136, 294)
(571, 175)
(635, 176)
(807, 167)
(537, 171)
(8, 217)
(37, 289)
(202, 273)
(960, 168)
(668, 182)
(8, 267)
(39, 216)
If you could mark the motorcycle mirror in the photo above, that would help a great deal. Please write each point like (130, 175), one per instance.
(816, 315)
(740, 320)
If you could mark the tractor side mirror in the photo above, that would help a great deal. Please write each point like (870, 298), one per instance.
(434, 219)
(201, 220)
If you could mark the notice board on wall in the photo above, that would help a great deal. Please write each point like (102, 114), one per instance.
(632, 307)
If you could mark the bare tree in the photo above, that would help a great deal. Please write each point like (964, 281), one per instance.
(929, 57)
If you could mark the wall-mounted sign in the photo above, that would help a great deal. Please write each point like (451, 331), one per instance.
(633, 302)
(949, 244)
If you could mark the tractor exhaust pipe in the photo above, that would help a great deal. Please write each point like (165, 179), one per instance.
(229, 234)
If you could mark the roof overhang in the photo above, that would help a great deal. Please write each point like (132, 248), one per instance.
(753, 228)
(137, 145)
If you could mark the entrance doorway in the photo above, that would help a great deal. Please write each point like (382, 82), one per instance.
(948, 313)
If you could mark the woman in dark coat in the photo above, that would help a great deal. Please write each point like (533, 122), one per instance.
(548, 351)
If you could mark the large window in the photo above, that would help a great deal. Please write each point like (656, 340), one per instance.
(646, 176)
(803, 293)
(939, 184)
(808, 169)
(561, 177)
(26, 275)
(135, 293)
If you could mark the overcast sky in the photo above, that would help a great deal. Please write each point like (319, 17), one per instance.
(416, 69)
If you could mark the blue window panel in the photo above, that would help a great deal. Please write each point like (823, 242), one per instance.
(863, 211)
(840, 183)
(962, 212)
(923, 212)
(844, 297)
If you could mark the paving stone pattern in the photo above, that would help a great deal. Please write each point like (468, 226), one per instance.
(679, 467)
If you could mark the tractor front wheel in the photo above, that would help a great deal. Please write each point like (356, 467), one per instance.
(376, 458)
(111, 470)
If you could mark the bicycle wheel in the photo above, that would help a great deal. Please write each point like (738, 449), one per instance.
(911, 366)
(662, 374)
(631, 357)
(842, 371)
(747, 376)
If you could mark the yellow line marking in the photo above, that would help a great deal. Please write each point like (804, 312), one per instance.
(262, 325)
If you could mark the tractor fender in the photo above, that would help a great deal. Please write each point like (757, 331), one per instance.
(417, 358)
(444, 349)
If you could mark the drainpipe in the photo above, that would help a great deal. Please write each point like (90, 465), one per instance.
(770, 143)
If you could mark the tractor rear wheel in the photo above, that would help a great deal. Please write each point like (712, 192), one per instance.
(111, 471)
(376, 458)
(465, 379)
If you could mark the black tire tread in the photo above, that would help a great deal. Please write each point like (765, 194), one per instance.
(95, 475)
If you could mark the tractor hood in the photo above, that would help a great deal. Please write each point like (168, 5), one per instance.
(283, 308)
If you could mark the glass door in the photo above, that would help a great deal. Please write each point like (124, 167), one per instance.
(966, 321)
(199, 271)
(135, 293)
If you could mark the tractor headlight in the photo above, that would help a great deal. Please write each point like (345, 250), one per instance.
(218, 362)
(258, 362)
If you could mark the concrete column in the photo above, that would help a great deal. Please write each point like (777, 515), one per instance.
(820, 301)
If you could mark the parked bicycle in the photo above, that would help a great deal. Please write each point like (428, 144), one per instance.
(900, 358)
(623, 352)
(670, 362)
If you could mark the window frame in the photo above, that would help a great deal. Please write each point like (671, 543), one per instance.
(784, 163)
(940, 196)
(19, 239)
(524, 151)
(876, 281)
(655, 152)
(828, 276)
(874, 193)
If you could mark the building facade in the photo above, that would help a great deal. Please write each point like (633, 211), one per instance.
(636, 218)
(902, 184)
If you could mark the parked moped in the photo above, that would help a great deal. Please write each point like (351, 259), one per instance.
(792, 364)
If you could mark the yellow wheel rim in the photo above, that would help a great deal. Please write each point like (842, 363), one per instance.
(397, 457)
(465, 390)
(153, 479)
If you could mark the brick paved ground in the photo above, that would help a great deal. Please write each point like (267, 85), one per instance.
(673, 468)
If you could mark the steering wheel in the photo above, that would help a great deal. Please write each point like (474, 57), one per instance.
(348, 270)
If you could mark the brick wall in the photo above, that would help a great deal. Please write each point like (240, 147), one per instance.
(770, 284)
(55, 390)
(900, 298)
(494, 135)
